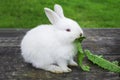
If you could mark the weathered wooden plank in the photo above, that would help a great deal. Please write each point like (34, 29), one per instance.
(99, 41)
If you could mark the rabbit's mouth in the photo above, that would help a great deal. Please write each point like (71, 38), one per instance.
(80, 39)
(80, 36)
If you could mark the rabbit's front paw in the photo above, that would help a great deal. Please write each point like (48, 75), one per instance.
(60, 70)
(54, 69)
(57, 70)
(73, 63)
(67, 70)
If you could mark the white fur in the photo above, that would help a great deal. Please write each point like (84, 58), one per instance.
(51, 47)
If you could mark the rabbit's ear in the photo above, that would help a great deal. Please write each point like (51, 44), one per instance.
(52, 16)
(58, 9)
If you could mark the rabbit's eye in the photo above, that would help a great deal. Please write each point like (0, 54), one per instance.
(68, 30)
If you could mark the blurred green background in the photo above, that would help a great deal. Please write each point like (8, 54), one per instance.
(88, 13)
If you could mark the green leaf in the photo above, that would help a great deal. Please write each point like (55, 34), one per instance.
(81, 54)
(102, 62)
(99, 60)
(79, 40)
(115, 62)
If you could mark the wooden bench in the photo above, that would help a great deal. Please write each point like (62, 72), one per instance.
(104, 42)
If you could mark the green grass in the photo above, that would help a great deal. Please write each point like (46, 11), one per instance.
(88, 13)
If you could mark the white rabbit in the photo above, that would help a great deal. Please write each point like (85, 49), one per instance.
(51, 47)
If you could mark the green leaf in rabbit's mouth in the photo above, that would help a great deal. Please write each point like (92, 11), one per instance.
(100, 61)
(81, 54)
(80, 39)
